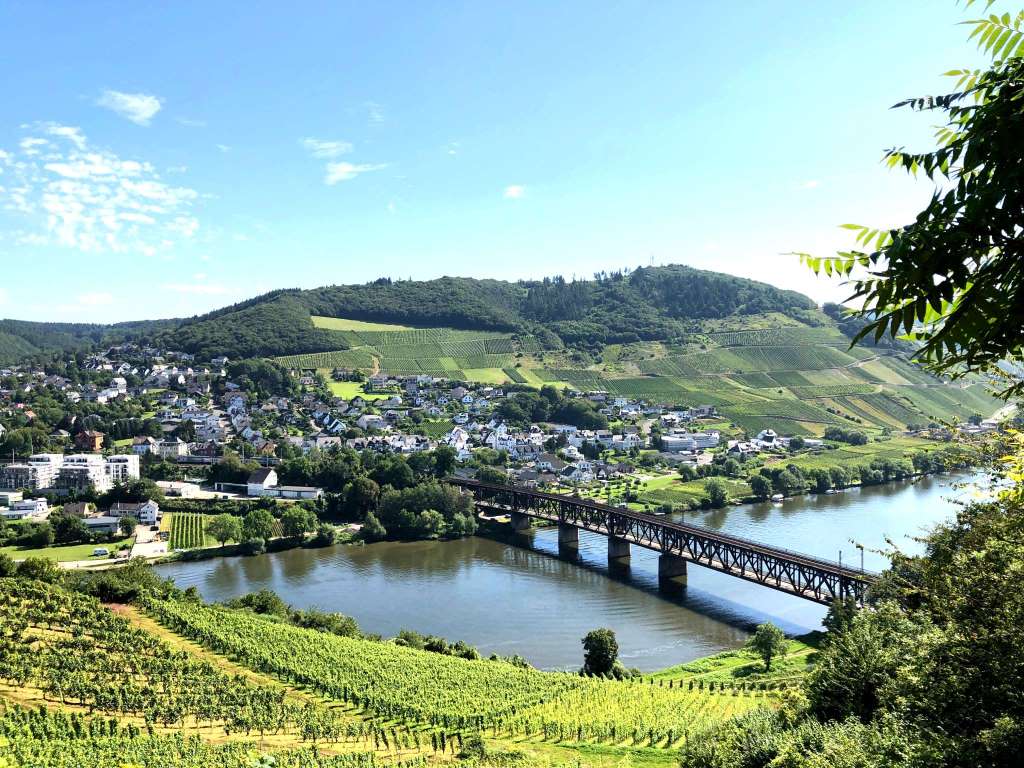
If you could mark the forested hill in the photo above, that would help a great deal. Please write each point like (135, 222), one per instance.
(645, 304)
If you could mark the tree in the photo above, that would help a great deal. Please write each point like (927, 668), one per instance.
(40, 569)
(225, 528)
(372, 529)
(296, 521)
(444, 460)
(68, 529)
(361, 495)
(768, 641)
(716, 493)
(40, 535)
(258, 524)
(7, 565)
(760, 486)
(600, 652)
(127, 525)
(951, 279)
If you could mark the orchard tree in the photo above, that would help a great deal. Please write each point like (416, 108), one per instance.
(258, 524)
(600, 652)
(296, 521)
(225, 528)
(768, 641)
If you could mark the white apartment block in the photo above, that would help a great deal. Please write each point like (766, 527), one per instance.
(83, 471)
(121, 468)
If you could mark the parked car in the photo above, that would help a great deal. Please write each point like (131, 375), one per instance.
(100, 552)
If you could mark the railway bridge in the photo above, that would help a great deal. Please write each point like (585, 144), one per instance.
(811, 578)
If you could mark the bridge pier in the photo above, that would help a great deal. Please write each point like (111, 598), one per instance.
(568, 536)
(618, 550)
(520, 523)
(671, 571)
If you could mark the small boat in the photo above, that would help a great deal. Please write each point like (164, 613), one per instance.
(778, 497)
(830, 492)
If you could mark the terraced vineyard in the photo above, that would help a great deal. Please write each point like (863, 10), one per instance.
(441, 352)
(797, 380)
(75, 651)
(432, 690)
(387, 680)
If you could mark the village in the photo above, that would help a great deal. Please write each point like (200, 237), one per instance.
(173, 421)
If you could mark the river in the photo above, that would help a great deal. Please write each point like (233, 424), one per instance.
(514, 599)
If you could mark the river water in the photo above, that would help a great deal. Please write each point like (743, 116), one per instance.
(524, 599)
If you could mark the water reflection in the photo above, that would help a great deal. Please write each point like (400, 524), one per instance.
(534, 600)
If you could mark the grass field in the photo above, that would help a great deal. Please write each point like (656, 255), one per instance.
(341, 324)
(350, 389)
(68, 553)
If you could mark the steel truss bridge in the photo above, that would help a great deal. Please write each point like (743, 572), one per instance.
(821, 581)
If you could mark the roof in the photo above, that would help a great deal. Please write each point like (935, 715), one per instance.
(260, 476)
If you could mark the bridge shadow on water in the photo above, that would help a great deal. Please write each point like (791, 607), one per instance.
(640, 573)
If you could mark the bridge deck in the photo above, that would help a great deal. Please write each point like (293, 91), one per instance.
(796, 573)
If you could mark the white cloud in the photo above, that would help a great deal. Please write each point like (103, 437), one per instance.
(812, 184)
(223, 147)
(140, 108)
(90, 199)
(326, 149)
(514, 191)
(453, 148)
(190, 123)
(345, 171)
(71, 133)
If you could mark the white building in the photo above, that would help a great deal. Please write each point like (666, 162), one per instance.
(35, 509)
(122, 467)
(86, 470)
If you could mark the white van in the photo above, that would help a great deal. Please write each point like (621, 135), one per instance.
(100, 552)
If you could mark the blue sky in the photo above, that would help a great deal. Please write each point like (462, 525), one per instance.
(166, 161)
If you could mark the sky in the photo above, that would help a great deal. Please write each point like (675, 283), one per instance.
(165, 160)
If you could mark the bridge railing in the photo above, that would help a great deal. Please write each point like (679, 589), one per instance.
(697, 530)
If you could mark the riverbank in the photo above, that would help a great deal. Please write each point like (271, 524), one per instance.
(524, 598)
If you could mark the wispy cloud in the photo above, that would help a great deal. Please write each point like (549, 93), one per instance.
(75, 195)
(326, 149)
(514, 191)
(452, 148)
(811, 184)
(223, 148)
(345, 171)
(140, 108)
(189, 122)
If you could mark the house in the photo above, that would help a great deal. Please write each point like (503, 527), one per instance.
(371, 421)
(79, 508)
(173, 449)
(145, 444)
(261, 481)
(548, 462)
(147, 513)
(89, 440)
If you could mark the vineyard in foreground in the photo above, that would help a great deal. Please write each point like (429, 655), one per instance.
(401, 684)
